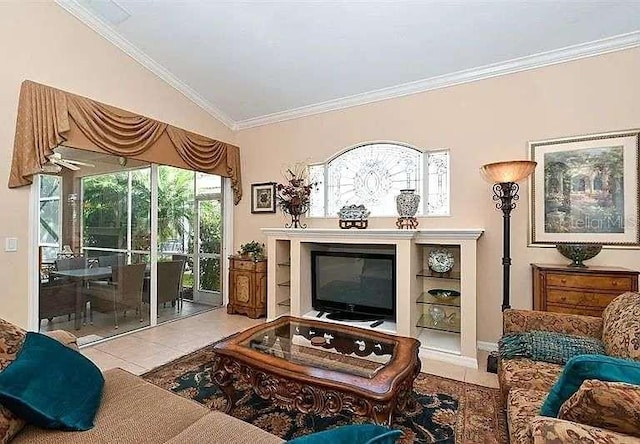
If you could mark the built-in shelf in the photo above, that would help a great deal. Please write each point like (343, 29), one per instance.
(427, 321)
(452, 275)
(439, 341)
(426, 298)
(455, 342)
(387, 326)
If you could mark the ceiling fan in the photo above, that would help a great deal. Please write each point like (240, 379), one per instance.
(57, 162)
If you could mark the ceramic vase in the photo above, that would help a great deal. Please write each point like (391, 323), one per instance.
(407, 203)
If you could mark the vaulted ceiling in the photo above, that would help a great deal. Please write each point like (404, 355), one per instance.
(252, 62)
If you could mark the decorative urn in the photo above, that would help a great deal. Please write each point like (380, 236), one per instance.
(407, 203)
(579, 253)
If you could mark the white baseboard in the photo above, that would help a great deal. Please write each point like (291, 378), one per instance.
(487, 346)
(463, 361)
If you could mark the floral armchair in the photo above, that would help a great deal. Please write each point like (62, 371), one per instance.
(600, 412)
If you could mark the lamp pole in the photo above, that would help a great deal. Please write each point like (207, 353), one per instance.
(505, 177)
(506, 194)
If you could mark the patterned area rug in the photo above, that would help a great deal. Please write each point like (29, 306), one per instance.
(447, 411)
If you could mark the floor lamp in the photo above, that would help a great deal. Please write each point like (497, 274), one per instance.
(505, 177)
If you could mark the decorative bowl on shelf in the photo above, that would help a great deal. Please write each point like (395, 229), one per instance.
(444, 295)
(439, 316)
(441, 260)
(579, 253)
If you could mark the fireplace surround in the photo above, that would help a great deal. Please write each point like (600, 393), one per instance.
(289, 283)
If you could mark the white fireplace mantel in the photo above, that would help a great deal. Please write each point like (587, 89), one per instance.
(376, 233)
(289, 279)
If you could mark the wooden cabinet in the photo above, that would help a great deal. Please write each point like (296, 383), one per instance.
(247, 287)
(585, 291)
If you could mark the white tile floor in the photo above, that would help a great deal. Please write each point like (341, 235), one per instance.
(142, 351)
(147, 349)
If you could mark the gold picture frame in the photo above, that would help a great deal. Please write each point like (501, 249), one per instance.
(585, 190)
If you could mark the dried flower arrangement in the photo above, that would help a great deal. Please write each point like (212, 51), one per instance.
(294, 195)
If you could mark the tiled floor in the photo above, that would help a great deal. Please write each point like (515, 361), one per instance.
(147, 349)
(103, 323)
(142, 351)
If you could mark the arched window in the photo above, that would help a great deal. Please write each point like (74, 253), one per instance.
(373, 175)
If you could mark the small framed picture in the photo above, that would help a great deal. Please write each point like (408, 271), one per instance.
(263, 197)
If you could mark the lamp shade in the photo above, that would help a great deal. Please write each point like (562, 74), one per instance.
(510, 171)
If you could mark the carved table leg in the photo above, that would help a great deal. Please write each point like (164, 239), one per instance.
(383, 413)
(222, 377)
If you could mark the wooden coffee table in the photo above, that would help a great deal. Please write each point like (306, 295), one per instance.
(318, 367)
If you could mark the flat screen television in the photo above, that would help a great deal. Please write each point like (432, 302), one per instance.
(354, 286)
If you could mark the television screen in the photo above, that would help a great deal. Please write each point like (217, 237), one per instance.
(355, 282)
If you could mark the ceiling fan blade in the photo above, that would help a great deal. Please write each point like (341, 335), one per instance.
(77, 162)
(51, 168)
(66, 164)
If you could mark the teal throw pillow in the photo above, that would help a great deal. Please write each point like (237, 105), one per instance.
(52, 386)
(352, 434)
(583, 367)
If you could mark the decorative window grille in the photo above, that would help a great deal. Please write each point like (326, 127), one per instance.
(373, 175)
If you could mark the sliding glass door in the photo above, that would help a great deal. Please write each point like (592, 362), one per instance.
(95, 239)
(209, 222)
(190, 226)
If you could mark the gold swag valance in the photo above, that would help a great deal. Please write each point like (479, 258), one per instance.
(48, 117)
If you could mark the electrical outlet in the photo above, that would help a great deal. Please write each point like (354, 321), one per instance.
(11, 244)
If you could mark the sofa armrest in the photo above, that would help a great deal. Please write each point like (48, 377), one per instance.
(64, 337)
(518, 321)
(553, 430)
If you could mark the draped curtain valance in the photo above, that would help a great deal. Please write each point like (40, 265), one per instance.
(48, 117)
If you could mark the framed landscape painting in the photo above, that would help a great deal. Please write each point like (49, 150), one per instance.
(263, 197)
(585, 190)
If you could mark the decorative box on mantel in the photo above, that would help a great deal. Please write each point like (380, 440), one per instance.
(289, 282)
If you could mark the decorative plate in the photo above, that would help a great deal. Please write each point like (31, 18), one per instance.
(443, 295)
(441, 261)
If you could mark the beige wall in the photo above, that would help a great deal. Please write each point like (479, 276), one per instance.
(485, 121)
(480, 122)
(42, 42)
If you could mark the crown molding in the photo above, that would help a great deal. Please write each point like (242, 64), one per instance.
(101, 27)
(590, 49)
(583, 50)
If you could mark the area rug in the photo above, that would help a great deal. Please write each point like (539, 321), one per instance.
(447, 411)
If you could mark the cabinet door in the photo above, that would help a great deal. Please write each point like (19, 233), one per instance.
(243, 286)
(261, 290)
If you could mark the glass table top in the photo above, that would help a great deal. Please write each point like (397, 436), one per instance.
(327, 348)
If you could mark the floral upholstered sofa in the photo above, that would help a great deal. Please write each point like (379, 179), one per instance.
(600, 412)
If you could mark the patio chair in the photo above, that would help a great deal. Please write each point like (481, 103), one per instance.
(169, 282)
(59, 298)
(183, 258)
(123, 293)
(112, 260)
(71, 263)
